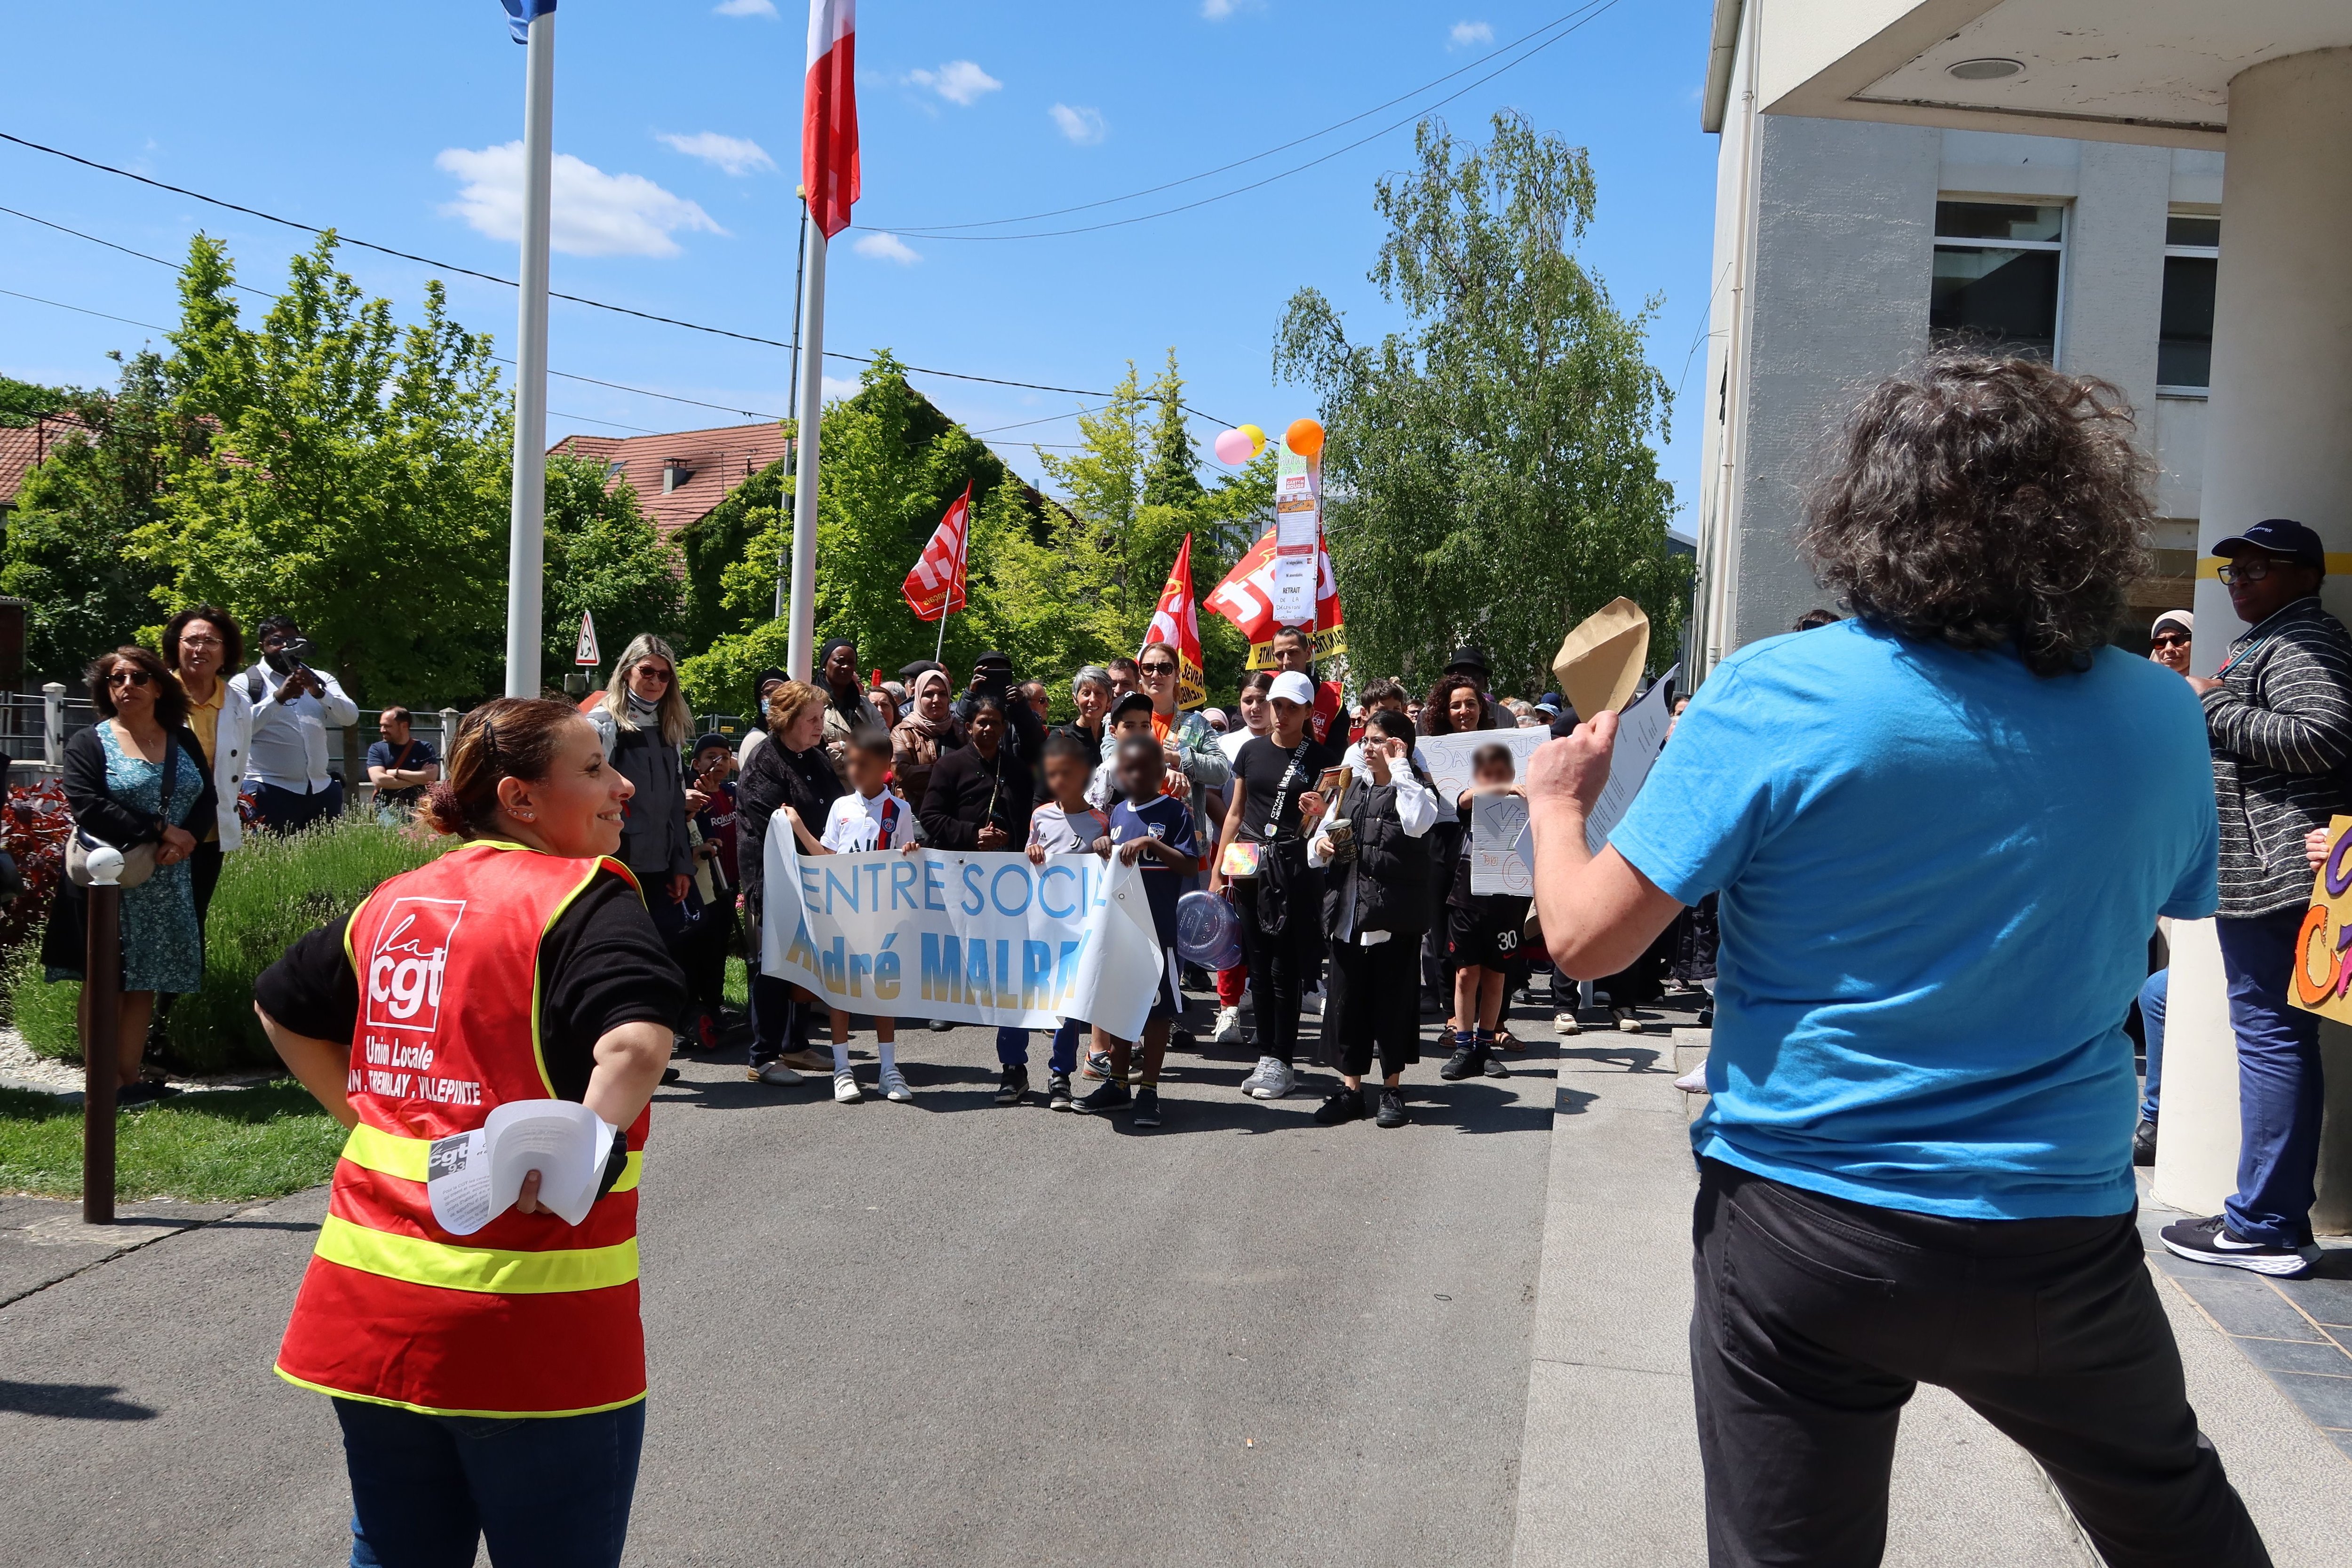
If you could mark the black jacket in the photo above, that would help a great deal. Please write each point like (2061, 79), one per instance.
(967, 791)
(775, 777)
(1389, 879)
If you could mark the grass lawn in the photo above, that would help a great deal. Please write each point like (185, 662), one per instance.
(212, 1147)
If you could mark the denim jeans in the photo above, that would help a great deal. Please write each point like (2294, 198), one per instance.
(549, 1491)
(290, 810)
(2280, 1094)
(1012, 1047)
(2152, 996)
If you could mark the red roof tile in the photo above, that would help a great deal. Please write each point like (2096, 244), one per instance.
(21, 449)
(680, 478)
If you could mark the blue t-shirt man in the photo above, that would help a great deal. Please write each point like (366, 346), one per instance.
(1939, 873)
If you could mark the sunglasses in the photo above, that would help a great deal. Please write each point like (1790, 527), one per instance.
(651, 673)
(1157, 668)
(126, 677)
(2168, 639)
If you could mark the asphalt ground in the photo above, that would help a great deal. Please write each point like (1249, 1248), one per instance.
(939, 1333)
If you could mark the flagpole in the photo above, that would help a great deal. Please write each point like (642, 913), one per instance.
(526, 525)
(801, 643)
(782, 558)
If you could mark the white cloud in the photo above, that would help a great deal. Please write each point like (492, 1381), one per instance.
(1218, 10)
(594, 213)
(842, 385)
(746, 9)
(1465, 34)
(1084, 126)
(958, 81)
(732, 155)
(886, 248)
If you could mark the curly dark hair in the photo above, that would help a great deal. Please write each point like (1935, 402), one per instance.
(1437, 708)
(1980, 501)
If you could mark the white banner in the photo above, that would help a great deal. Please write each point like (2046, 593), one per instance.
(977, 936)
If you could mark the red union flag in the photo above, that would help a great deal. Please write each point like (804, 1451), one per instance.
(935, 587)
(1246, 598)
(1178, 624)
(829, 114)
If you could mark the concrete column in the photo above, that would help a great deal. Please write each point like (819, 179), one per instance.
(2277, 447)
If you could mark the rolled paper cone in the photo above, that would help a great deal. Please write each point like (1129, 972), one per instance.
(1599, 661)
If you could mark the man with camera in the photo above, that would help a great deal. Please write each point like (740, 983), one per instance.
(292, 706)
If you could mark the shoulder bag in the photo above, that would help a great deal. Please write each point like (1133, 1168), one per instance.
(1282, 869)
(139, 859)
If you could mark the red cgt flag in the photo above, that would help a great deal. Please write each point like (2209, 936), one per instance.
(935, 587)
(829, 114)
(1246, 598)
(1178, 624)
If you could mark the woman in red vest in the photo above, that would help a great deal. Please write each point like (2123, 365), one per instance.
(492, 1384)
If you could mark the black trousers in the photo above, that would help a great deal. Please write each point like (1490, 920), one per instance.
(1814, 1318)
(1281, 965)
(1374, 1003)
(704, 953)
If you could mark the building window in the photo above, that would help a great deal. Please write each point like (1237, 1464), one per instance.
(2184, 343)
(1995, 279)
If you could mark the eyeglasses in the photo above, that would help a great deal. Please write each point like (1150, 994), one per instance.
(200, 642)
(2254, 568)
(115, 678)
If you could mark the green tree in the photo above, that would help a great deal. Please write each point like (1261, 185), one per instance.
(22, 402)
(1491, 471)
(356, 479)
(605, 557)
(68, 549)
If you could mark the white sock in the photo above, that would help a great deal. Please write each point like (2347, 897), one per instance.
(841, 1056)
(889, 1050)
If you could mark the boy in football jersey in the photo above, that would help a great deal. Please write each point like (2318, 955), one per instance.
(1153, 830)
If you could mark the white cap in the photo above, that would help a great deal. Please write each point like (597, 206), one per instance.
(1292, 687)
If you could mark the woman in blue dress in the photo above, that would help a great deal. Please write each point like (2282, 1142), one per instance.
(138, 776)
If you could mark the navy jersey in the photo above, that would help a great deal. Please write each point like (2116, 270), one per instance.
(1166, 817)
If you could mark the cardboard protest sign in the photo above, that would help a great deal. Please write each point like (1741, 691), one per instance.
(1502, 849)
(2322, 948)
(1600, 661)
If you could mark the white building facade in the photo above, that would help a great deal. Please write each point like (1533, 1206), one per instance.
(1845, 250)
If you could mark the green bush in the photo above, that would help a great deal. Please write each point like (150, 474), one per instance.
(271, 891)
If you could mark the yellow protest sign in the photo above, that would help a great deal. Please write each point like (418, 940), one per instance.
(2323, 967)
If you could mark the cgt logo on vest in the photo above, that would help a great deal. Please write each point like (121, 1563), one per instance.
(405, 966)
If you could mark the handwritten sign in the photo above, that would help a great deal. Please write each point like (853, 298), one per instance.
(2323, 948)
(1640, 736)
(1502, 850)
(1447, 757)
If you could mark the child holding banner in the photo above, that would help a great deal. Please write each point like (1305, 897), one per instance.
(1155, 829)
(870, 817)
(1066, 824)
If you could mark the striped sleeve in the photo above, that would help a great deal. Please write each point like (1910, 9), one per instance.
(2303, 721)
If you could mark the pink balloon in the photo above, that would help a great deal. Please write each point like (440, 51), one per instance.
(1233, 448)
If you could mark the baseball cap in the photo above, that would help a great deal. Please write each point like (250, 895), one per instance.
(2280, 536)
(1131, 702)
(1469, 656)
(1292, 687)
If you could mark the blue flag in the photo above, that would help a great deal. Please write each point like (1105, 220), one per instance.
(521, 12)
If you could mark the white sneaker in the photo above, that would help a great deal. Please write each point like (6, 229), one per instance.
(1311, 1003)
(775, 1072)
(1228, 1030)
(1564, 1023)
(1693, 1082)
(845, 1091)
(1625, 1020)
(894, 1085)
(1272, 1081)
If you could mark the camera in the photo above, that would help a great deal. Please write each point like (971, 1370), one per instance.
(288, 656)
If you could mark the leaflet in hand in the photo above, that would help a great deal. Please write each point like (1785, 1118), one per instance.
(473, 1177)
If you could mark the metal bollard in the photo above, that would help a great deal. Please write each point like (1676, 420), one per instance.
(103, 987)
(53, 724)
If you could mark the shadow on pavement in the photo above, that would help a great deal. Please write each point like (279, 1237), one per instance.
(1637, 1058)
(72, 1402)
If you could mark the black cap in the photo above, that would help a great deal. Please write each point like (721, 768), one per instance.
(704, 742)
(1128, 704)
(991, 657)
(907, 672)
(2280, 536)
(1469, 656)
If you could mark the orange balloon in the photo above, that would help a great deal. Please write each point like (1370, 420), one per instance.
(1305, 437)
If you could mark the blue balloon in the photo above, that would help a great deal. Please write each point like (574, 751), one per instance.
(1208, 931)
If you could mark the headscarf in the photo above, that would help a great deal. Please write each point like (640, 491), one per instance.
(2182, 618)
(916, 743)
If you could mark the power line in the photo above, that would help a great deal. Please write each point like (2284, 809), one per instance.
(1593, 13)
(266, 294)
(343, 238)
(84, 311)
(944, 230)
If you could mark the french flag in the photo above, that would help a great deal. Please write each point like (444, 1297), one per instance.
(829, 114)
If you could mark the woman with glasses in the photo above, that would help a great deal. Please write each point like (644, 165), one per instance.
(137, 777)
(1196, 762)
(2171, 642)
(643, 723)
(199, 644)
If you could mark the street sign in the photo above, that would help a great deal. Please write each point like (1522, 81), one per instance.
(585, 654)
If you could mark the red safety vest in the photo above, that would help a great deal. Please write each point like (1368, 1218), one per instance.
(528, 1316)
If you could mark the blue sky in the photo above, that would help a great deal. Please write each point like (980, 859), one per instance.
(388, 121)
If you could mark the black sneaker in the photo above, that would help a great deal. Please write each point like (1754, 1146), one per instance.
(1493, 1069)
(1182, 1040)
(1111, 1095)
(1147, 1107)
(1057, 1091)
(1467, 1061)
(1392, 1109)
(1015, 1086)
(2144, 1144)
(1341, 1105)
(671, 1075)
(2212, 1241)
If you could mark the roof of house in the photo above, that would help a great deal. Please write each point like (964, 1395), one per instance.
(681, 477)
(21, 449)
